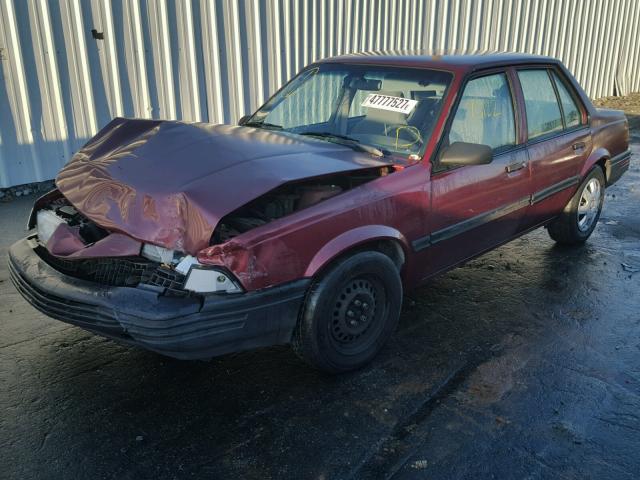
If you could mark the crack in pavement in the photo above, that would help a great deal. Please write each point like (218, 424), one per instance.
(389, 460)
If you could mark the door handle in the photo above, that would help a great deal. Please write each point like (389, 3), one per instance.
(512, 167)
(578, 146)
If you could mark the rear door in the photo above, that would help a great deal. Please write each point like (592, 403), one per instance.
(477, 207)
(558, 140)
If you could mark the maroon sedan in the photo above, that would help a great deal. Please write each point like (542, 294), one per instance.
(364, 176)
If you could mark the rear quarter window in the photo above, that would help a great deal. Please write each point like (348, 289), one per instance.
(572, 116)
(541, 104)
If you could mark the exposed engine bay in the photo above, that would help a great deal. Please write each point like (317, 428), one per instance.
(290, 198)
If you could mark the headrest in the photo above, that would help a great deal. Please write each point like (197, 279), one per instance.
(424, 94)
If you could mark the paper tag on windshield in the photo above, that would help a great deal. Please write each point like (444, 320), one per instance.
(387, 102)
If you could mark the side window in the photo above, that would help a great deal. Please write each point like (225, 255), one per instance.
(572, 116)
(485, 113)
(543, 111)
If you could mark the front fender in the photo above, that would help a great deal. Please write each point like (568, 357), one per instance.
(350, 239)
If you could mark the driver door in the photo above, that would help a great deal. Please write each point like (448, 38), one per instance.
(477, 207)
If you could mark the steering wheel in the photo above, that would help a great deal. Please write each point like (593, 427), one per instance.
(393, 130)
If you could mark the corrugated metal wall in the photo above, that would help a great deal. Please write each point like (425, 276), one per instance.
(215, 60)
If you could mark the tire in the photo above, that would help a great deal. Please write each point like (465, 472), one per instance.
(349, 313)
(579, 218)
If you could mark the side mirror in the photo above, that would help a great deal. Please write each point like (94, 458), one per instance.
(244, 119)
(462, 153)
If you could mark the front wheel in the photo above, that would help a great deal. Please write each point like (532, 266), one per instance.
(350, 313)
(578, 219)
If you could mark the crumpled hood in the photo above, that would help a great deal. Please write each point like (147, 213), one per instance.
(170, 183)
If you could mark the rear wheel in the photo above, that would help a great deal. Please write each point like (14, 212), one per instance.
(578, 219)
(350, 313)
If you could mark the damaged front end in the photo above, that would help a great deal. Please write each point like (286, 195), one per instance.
(76, 246)
(118, 298)
(70, 268)
(188, 256)
(143, 200)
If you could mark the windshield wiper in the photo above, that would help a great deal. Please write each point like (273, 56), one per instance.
(347, 141)
(329, 135)
(270, 126)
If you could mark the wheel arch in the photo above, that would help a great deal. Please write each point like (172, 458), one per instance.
(599, 156)
(381, 238)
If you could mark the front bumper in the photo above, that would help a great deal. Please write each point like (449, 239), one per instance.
(185, 328)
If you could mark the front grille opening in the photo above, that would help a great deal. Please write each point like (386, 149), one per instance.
(109, 271)
(112, 271)
(172, 281)
(119, 271)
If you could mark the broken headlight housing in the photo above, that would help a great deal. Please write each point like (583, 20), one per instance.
(158, 254)
(205, 279)
(47, 222)
(199, 278)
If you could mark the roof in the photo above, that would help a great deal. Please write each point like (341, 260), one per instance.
(466, 61)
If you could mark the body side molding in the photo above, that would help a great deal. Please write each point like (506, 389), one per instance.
(474, 222)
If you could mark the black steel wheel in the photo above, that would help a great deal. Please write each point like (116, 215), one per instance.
(349, 313)
(358, 313)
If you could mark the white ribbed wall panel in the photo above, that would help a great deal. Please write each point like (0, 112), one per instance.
(215, 60)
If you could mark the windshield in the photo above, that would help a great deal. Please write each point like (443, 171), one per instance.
(388, 109)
